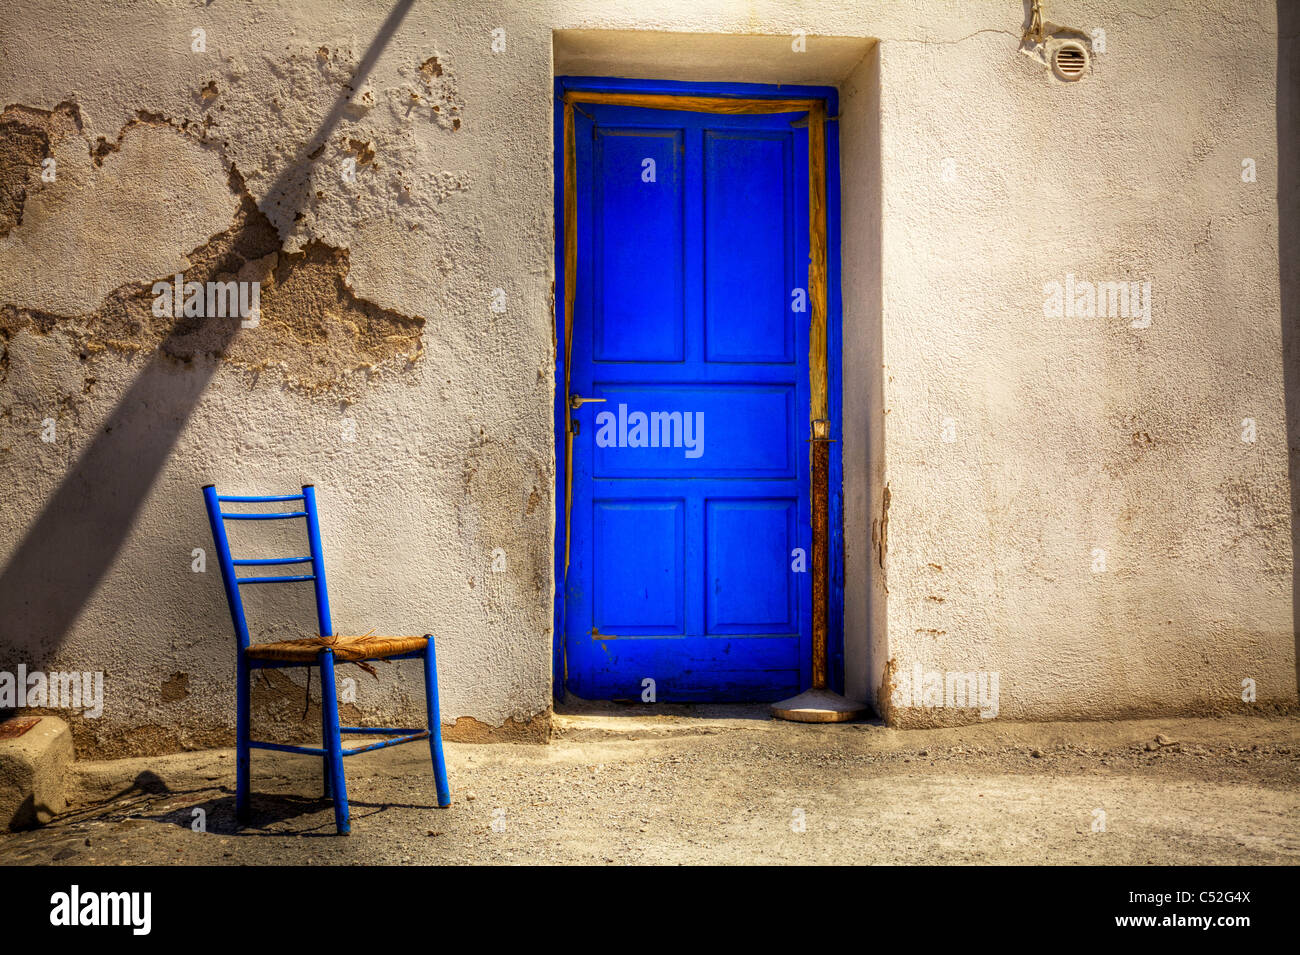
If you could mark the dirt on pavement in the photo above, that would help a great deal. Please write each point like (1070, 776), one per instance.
(670, 785)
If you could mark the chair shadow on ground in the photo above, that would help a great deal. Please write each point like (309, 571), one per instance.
(269, 810)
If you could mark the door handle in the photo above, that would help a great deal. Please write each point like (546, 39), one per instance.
(577, 401)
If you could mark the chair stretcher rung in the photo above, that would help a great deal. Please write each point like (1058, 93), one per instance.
(380, 730)
(422, 734)
(275, 580)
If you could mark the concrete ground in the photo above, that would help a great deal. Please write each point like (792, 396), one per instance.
(722, 785)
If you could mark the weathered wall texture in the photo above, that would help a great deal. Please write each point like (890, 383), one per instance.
(1073, 436)
(866, 545)
(375, 323)
(1069, 435)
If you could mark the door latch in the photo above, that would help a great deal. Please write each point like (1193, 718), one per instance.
(577, 401)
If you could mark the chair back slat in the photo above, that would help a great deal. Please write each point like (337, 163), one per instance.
(297, 578)
(262, 517)
(257, 498)
(262, 561)
(230, 578)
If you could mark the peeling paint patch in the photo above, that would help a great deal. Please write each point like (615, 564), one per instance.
(430, 68)
(103, 147)
(885, 693)
(93, 228)
(175, 687)
(27, 138)
(314, 331)
(436, 88)
(880, 529)
(362, 151)
(538, 729)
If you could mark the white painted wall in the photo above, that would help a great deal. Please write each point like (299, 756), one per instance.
(1070, 435)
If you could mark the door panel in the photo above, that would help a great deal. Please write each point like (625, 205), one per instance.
(638, 272)
(747, 205)
(640, 544)
(749, 593)
(690, 480)
(748, 431)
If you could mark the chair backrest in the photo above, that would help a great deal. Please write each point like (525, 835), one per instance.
(233, 582)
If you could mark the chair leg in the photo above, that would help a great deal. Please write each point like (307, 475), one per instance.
(327, 791)
(435, 724)
(332, 742)
(243, 765)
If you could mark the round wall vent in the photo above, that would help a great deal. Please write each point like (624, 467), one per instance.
(1070, 61)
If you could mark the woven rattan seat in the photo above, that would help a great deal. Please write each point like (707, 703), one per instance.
(346, 649)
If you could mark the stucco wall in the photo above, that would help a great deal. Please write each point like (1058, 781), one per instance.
(1072, 435)
(866, 552)
(1069, 434)
(376, 309)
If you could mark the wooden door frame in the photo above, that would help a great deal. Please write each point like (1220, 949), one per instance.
(825, 334)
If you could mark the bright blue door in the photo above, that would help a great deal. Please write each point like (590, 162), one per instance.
(690, 479)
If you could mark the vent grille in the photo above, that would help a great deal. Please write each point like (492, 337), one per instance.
(1070, 62)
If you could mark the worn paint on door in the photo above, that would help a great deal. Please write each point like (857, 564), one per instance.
(690, 519)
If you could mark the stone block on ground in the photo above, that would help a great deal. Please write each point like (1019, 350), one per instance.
(34, 769)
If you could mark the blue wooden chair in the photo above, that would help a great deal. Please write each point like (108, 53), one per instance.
(321, 650)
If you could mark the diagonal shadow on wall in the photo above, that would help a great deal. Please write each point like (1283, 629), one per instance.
(67, 551)
(1288, 245)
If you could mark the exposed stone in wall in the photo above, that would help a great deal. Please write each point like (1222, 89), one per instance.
(289, 230)
(105, 220)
